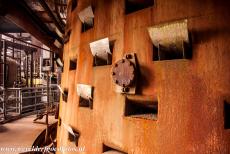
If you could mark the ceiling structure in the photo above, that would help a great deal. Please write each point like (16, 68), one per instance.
(7, 26)
(44, 19)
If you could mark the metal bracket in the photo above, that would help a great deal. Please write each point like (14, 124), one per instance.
(58, 44)
(170, 38)
(101, 50)
(86, 95)
(86, 15)
(85, 91)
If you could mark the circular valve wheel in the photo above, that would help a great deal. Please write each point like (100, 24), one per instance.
(123, 73)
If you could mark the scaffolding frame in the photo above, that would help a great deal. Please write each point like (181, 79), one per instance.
(19, 101)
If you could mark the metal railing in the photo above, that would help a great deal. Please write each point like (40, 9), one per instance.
(19, 101)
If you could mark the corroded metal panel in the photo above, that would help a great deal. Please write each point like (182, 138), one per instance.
(100, 48)
(85, 91)
(86, 15)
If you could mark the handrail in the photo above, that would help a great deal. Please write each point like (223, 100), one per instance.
(28, 99)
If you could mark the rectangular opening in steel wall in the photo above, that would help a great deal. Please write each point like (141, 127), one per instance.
(87, 18)
(86, 26)
(155, 54)
(110, 150)
(136, 5)
(170, 53)
(226, 115)
(65, 95)
(88, 103)
(72, 64)
(74, 4)
(144, 109)
(74, 137)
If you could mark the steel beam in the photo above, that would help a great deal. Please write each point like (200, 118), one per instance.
(31, 23)
(50, 13)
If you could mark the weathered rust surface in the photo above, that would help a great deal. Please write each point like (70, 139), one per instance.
(190, 93)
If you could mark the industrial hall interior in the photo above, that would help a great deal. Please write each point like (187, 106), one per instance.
(114, 77)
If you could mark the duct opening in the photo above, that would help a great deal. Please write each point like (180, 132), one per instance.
(155, 54)
(74, 137)
(144, 109)
(136, 5)
(226, 115)
(65, 95)
(86, 26)
(72, 65)
(74, 4)
(170, 52)
(83, 102)
(110, 150)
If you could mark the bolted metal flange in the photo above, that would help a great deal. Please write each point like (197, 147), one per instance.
(123, 73)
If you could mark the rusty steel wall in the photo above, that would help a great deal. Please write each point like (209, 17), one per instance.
(190, 92)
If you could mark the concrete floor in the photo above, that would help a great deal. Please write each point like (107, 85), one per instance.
(21, 133)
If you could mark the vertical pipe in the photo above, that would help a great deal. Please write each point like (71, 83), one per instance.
(31, 69)
(35, 101)
(20, 69)
(4, 64)
(20, 105)
(27, 62)
(4, 49)
(13, 49)
(16, 100)
(47, 109)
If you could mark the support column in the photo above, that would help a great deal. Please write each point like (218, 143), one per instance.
(31, 69)
(4, 49)
(27, 69)
(47, 108)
